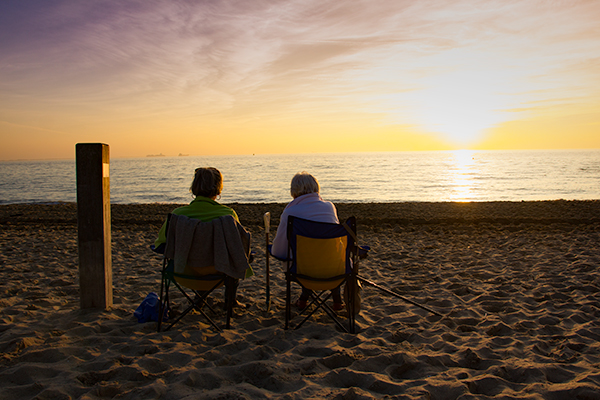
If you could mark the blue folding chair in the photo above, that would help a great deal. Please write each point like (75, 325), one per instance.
(322, 257)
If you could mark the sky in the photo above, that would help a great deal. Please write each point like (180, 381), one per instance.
(211, 77)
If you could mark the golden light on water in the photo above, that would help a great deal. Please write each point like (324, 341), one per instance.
(462, 175)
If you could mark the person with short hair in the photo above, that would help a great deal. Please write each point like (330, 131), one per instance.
(308, 204)
(206, 186)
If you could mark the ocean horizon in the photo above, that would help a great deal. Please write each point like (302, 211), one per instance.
(426, 176)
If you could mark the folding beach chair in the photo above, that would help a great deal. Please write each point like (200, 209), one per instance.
(321, 257)
(199, 276)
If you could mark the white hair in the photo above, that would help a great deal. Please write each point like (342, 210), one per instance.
(304, 183)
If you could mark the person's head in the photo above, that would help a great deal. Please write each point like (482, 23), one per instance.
(304, 183)
(208, 182)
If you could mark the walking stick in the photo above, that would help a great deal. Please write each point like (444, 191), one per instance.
(267, 220)
(397, 295)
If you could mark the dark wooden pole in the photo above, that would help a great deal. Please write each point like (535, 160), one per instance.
(93, 225)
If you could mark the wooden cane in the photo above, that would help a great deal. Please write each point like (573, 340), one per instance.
(267, 220)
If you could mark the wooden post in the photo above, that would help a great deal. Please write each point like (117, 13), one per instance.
(93, 225)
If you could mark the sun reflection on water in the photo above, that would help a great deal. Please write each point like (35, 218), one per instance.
(463, 171)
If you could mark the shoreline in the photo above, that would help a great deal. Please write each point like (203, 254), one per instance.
(368, 214)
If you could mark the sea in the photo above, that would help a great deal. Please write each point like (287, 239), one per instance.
(428, 176)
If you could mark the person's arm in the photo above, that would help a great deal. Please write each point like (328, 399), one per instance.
(337, 221)
(280, 242)
(161, 240)
(162, 235)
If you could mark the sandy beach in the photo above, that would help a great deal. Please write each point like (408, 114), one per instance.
(517, 285)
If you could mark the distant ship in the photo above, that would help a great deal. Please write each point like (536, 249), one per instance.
(156, 155)
(183, 155)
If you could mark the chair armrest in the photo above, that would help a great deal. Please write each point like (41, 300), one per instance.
(363, 251)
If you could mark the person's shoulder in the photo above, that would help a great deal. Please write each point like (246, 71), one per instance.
(226, 210)
(181, 210)
(328, 203)
(332, 209)
(232, 212)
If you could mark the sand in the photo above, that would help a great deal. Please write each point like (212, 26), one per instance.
(517, 285)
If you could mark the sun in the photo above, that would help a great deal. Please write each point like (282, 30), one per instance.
(462, 101)
(461, 108)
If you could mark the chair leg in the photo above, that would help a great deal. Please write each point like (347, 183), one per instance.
(288, 301)
(163, 301)
(201, 311)
(230, 293)
(352, 304)
(321, 303)
(317, 302)
(192, 306)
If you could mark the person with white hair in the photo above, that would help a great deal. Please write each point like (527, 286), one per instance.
(307, 204)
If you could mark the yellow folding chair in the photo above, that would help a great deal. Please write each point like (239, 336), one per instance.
(322, 257)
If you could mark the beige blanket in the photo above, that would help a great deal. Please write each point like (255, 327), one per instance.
(222, 243)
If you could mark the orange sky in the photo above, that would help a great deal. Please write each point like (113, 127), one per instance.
(208, 77)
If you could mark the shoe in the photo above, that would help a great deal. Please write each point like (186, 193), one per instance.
(301, 304)
(338, 306)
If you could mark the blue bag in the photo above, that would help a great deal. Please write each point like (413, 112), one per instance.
(148, 310)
